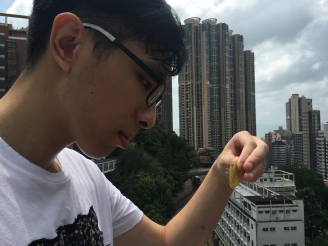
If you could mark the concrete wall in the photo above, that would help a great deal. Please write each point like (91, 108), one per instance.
(189, 187)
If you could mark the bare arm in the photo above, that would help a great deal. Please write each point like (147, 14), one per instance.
(196, 221)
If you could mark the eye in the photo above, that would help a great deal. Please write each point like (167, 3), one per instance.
(147, 84)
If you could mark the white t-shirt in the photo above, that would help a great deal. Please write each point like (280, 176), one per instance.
(77, 206)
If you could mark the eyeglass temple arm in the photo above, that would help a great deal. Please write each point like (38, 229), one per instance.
(151, 73)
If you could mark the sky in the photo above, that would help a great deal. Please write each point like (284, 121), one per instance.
(289, 40)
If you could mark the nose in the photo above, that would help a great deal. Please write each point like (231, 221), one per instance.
(147, 117)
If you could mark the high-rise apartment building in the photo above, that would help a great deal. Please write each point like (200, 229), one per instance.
(301, 118)
(250, 112)
(237, 83)
(279, 150)
(212, 89)
(12, 53)
(322, 152)
(164, 112)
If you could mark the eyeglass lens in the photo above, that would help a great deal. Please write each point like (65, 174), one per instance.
(156, 95)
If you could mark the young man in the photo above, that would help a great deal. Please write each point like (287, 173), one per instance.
(82, 85)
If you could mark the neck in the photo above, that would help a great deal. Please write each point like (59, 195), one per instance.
(32, 122)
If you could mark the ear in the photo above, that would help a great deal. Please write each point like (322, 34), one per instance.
(66, 34)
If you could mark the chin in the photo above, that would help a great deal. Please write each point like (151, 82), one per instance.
(95, 153)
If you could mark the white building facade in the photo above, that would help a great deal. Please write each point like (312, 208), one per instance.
(259, 216)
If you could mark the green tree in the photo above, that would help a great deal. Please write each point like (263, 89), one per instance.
(311, 188)
(154, 172)
(172, 151)
(304, 178)
(315, 219)
(319, 241)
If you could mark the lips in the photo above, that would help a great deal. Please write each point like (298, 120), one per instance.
(125, 140)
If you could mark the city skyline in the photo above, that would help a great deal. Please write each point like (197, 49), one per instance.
(287, 38)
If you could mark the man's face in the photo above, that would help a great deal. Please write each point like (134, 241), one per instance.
(107, 99)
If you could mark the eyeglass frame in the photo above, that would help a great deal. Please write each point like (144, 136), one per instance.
(159, 81)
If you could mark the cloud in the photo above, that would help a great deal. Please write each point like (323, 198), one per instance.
(289, 39)
(316, 66)
(20, 7)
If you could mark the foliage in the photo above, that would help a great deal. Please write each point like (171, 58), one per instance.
(304, 178)
(315, 219)
(319, 241)
(311, 188)
(154, 172)
(173, 152)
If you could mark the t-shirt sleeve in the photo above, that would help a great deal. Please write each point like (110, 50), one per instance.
(125, 215)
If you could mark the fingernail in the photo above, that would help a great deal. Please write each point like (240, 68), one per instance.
(250, 166)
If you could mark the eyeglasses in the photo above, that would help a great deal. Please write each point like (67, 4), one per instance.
(155, 96)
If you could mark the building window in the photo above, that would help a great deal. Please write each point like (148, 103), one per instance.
(293, 228)
(286, 228)
(2, 50)
(294, 244)
(272, 228)
(252, 226)
(260, 212)
(11, 44)
(2, 61)
(294, 210)
(281, 211)
(265, 229)
(2, 73)
(11, 54)
(267, 212)
(2, 39)
(12, 66)
(12, 77)
(287, 244)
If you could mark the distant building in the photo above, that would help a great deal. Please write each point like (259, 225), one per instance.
(207, 156)
(322, 152)
(164, 113)
(279, 150)
(249, 65)
(285, 135)
(12, 53)
(301, 118)
(266, 212)
(216, 86)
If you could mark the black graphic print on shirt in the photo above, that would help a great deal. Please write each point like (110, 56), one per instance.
(84, 231)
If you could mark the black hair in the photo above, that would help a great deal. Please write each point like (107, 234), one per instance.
(152, 22)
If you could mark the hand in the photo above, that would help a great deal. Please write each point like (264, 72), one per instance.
(251, 152)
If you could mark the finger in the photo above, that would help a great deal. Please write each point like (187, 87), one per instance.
(257, 158)
(245, 142)
(256, 172)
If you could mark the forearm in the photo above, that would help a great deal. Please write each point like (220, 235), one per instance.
(196, 221)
